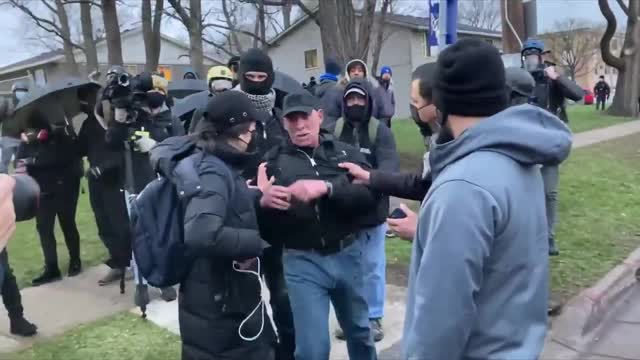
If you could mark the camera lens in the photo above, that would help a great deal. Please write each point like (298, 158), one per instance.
(123, 80)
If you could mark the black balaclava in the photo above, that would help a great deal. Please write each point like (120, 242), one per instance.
(357, 113)
(255, 60)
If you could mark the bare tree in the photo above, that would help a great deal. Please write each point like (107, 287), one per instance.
(483, 14)
(573, 45)
(151, 23)
(625, 101)
(90, 51)
(112, 31)
(57, 24)
(380, 32)
(193, 22)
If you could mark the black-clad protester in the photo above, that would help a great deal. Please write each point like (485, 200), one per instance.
(602, 92)
(51, 158)
(256, 78)
(153, 124)
(412, 186)
(222, 315)
(104, 177)
(312, 208)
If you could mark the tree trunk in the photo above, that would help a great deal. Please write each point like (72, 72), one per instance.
(195, 37)
(331, 42)
(263, 25)
(67, 45)
(515, 12)
(151, 33)
(230, 25)
(112, 32)
(347, 41)
(377, 47)
(364, 31)
(286, 13)
(90, 51)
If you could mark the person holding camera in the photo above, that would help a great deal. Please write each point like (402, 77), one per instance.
(550, 93)
(49, 152)
(136, 128)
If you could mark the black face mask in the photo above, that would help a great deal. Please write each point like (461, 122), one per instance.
(252, 144)
(356, 112)
(256, 88)
(425, 129)
(155, 99)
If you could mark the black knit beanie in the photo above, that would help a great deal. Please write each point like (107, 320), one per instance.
(470, 79)
(228, 109)
(255, 60)
(331, 66)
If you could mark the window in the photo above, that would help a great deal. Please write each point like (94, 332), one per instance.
(311, 59)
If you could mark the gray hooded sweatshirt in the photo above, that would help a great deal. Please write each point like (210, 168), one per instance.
(478, 282)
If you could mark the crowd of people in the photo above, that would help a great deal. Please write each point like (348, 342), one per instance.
(296, 191)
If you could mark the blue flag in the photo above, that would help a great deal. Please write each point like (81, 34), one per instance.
(434, 16)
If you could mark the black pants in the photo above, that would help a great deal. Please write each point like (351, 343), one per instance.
(386, 121)
(110, 210)
(60, 201)
(282, 315)
(600, 102)
(10, 292)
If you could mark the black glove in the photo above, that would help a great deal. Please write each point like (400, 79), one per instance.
(94, 173)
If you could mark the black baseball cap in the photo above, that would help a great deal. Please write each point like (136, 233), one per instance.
(299, 102)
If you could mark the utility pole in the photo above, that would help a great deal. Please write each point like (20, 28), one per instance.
(530, 18)
(513, 25)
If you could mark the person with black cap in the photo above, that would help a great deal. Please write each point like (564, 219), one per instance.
(221, 310)
(479, 273)
(256, 77)
(602, 91)
(375, 140)
(520, 85)
(315, 217)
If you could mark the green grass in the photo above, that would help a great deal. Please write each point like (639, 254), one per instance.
(411, 145)
(123, 337)
(25, 252)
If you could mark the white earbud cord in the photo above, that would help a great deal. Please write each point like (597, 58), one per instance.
(262, 305)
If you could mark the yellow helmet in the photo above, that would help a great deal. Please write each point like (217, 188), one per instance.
(219, 72)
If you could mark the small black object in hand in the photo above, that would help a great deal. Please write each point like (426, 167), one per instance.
(397, 213)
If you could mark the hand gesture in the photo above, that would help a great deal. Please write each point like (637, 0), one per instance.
(274, 196)
(360, 175)
(7, 212)
(551, 73)
(308, 190)
(404, 228)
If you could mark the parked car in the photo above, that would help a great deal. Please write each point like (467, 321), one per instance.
(588, 97)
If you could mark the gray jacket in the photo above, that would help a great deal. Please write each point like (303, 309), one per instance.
(478, 281)
(386, 101)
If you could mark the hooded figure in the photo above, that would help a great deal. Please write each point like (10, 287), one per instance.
(479, 273)
(354, 69)
(520, 85)
(386, 96)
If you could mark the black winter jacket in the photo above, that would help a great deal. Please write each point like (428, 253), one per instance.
(219, 227)
(93, 145)
(551, 94)
(160, 127)
(54, 161)
(269, 133)
(323, 224)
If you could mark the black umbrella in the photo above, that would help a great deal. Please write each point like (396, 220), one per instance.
(57, 102)
(286, 84)
(184, 87)
(184, 107)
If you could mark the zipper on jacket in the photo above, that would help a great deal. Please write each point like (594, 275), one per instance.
(313, 163)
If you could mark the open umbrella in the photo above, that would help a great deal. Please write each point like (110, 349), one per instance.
(57, 102)
(286, 84)
(184, 107)
(185, 87)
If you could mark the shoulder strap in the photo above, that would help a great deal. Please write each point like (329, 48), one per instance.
(373, 130)
(337, 131)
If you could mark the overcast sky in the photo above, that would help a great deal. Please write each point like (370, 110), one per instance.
(13, 46)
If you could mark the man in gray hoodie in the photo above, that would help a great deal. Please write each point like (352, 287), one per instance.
(478, 279)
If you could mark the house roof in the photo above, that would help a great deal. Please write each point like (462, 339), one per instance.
(58, 55)
(413, 22)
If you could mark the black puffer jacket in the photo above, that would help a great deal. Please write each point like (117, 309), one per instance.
(220, 227)
(269, 133)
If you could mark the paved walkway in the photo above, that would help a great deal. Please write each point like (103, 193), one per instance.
(63, 305)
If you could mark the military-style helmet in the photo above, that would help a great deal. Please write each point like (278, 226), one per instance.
(519, 81)
(219, 72)
(533, 45)
(19, 86)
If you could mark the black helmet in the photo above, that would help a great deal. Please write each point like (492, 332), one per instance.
(19, 86)
(520, 81)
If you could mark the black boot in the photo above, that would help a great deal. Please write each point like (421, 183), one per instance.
(50, 274)
(21, 327)
(75, 267)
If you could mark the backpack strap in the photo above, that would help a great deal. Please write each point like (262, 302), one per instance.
(337, 131)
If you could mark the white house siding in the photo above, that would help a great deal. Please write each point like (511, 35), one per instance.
(288, 55)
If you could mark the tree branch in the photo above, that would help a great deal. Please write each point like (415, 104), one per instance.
(180, 10)
(623, 6)
(82, 1)
(248, 33)
(309, 13)
(45, 24)
(605, 42)
(217, 46)
(49, 6)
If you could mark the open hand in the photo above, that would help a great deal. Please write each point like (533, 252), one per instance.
(551, 72)
(360, 175)
(274, 196)
(404, 228)
(308, 190)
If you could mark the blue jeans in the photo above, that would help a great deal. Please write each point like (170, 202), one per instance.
(313, 280)
(374, 266)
